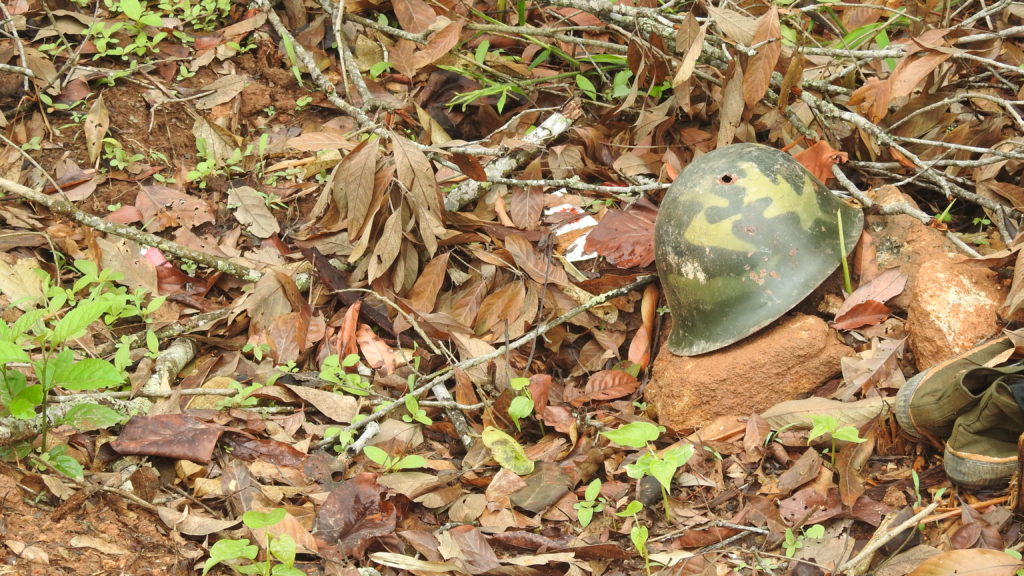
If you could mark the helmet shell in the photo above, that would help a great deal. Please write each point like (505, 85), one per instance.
(743, 235)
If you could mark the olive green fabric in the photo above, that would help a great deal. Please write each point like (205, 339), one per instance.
(742, 236)
(982, 451)
(928, 403)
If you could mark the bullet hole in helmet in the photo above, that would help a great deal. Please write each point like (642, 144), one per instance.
(727, 178)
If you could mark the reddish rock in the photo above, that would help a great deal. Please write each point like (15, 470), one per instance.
(950, 305)
(785, 361)
(953, 308)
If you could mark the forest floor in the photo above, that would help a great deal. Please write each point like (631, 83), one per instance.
(368, 288)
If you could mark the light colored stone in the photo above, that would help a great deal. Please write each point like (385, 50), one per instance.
(953, 308)
(951, 305)
(785, 361)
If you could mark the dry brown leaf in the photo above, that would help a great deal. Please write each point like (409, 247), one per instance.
(883, 287)
(498, 307)
(625, 237)
(353, 186)
(607, 385)
(164, 207)
(413, 15)
(251, 211)
(95, 127)
(969, 562)
(439, 44)
(425, 290)
(867, 313)
(540, 269)
(317, 141)
(387, 247)
(375, 351)
(736, 26)
(691, 35)
(417, 174)
(758, 74)
(641, 346)
(850, 460)
(819, 159)
(731, 111)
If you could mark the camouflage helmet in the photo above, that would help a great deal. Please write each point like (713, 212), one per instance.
(743, 235)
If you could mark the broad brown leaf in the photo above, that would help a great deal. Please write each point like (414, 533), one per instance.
(731, 110)
(439, 44)
(353, 186)
(866, 313)
(425, 290)
(625, 237)
(819, 159)
(761, 65)
(969, 563)
(414, 15)
(540, 269)
(607, 385)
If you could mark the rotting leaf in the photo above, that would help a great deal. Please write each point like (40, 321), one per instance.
(625, 237)
(867, 313)
(540, 269)
(251, 211)
(353, 515)
(163, 207)
(175, 436)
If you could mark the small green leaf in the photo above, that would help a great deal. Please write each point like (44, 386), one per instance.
(259, 519)
(632, 509)
(225, 550)
(282, 547)
(11, 352)
(634, 434)
(86, 417)
(593, 490)
(131, 8)
(410, 461)
(816, 532)
(74, 323)
(88, 374)
(585, 514)
(586, 86)
(848, 434)
(508, 453)
(377, 455)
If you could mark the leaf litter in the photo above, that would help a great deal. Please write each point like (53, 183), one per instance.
(381, 307)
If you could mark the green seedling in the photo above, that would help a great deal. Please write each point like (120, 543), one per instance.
(415, 413)
(591, 503)
(794, 542)
(638, 534)
(822, 424)
(240, 555)
(946, 217)
(393, 464)
(349, 382)
(61, 317)
(662, 467)
(522, 405)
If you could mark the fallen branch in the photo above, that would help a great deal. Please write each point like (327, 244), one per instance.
(446, 373)
(168, 247)
(170, 362)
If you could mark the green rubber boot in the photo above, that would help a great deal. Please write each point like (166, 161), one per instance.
(929, 403)
(982, 451)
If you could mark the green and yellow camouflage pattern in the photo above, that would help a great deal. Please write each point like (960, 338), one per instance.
(743, 235)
